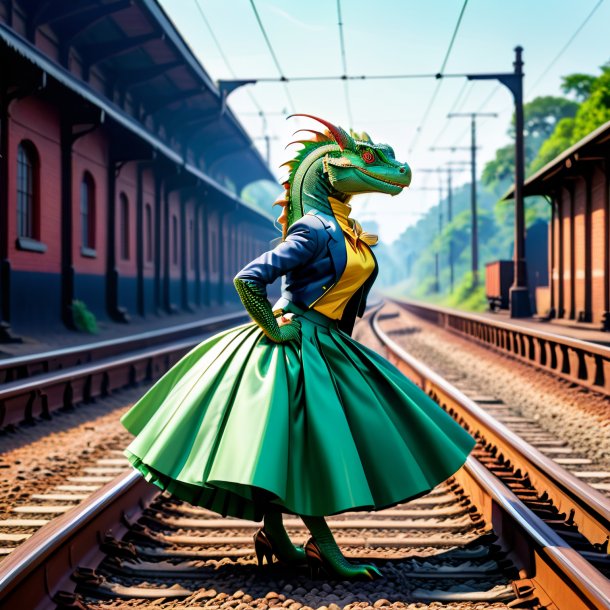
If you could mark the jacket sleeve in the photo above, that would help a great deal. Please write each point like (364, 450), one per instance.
(298, 249)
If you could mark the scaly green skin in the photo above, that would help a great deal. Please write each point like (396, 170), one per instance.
(283, 548)
(335, 164)
(256, 304)
(331, 553)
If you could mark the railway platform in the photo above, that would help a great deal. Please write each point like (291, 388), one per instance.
(582, 331)
(37, 342)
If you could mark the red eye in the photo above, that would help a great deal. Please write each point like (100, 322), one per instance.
(368, 156)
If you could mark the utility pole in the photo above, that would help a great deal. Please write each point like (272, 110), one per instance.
(513, 81)
(266, 137)
(437, 270)
(474, 218)
(450, 215)
(474, 234)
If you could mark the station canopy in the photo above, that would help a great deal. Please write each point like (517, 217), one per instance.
(168, 98)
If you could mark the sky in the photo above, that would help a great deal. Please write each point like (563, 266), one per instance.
(391, 37)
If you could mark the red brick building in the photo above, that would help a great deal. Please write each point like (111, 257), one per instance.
(120, 169)
(577, 184)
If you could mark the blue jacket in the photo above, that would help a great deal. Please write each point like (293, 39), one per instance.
(310, 260)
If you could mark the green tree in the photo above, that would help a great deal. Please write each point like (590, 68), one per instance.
(540, 116)
(500, 171)
(540, 119)
(579, 85)
(593, 112)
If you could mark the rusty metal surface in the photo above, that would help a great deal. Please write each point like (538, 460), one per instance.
(581, 362)
(552, 556)
(43, 565)
(21, 367)
(107, 366)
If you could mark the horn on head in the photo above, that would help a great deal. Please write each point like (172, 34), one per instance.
(342, 138)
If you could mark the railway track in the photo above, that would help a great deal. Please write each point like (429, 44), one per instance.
(580, 362)
(490, 537)
(34, 386)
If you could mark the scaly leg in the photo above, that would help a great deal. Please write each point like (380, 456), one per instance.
(322, 552)
(272, 539)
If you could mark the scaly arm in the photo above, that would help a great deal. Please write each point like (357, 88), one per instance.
(255, 301)
(299, 248)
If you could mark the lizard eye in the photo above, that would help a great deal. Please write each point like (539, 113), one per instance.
(368, 156)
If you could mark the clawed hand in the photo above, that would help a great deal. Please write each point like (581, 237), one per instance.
(284, 319)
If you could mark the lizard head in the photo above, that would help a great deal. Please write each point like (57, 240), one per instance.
(358, 165)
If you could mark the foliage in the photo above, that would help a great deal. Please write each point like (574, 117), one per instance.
(466, 296)
(580, 85)
(499, 172)
(593, 112)
(84, 320)
(552, 124)
(540, 119)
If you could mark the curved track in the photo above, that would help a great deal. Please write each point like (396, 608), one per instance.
(436, 548)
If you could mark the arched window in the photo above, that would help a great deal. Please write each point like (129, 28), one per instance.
(175, 239)
(27, 191)
(124, 216)
(149, 232)
(87, 211)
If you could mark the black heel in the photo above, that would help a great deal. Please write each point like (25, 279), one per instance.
(262, 548)
(313, 556)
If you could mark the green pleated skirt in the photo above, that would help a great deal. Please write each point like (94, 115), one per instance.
(313, 427)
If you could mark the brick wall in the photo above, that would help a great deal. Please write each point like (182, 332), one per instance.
(580, 199)
(90, 154)
(567, 247)
(598, 243)
(126, 184)
(36, 121)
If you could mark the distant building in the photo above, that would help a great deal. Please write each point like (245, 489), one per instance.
(119, 171)
(577, 184)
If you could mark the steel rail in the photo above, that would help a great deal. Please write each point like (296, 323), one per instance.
(40, 567)
(39, 395)
(581, 362)
(570, 578)
(19, 367)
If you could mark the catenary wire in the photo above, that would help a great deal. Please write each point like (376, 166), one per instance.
(260, 112)
(438, 84)
(454, 107)
(344, 65)
(566, 45)
(553, 61)
(273, 55)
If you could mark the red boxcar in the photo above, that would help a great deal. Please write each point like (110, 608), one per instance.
(498, 280)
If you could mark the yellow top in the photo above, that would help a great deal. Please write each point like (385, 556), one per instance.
(360, 263)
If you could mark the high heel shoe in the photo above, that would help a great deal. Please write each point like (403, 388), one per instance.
(341, 568)
(264, 549)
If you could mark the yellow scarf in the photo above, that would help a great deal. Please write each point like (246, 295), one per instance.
(351, 228)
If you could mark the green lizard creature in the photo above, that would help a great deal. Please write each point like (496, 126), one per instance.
(331, 165)
(337, 164)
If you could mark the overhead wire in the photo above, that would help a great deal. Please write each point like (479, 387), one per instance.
(454, 107)
(344, 65)
(563, 49)
(566, 45)
(552, 62)
(439, 81)
(260, 112)
(273, 55)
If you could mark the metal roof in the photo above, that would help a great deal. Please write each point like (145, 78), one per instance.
(538, 184)
(173, 103)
